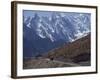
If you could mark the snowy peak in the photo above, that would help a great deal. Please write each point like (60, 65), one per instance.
(59, 26)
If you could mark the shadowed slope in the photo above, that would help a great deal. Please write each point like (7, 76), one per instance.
(76, 51)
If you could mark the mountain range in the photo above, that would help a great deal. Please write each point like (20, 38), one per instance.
(44, 33)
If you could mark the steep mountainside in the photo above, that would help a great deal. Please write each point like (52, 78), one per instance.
(77, 51)
(44, 33)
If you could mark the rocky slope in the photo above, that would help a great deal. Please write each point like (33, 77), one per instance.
(77, 51)
(74, 54)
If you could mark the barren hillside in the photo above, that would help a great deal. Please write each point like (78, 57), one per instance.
(76, 51)
(73, 54)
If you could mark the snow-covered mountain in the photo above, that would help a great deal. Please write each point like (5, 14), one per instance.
(54, 30)
(59, 26)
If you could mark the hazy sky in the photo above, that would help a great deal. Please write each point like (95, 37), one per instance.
(31, 13)
(40, 13)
